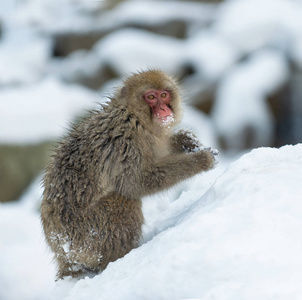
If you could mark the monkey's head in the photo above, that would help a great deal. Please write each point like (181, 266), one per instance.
(152, 96)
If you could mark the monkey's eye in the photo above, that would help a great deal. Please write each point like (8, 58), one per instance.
(151, 97)
(163, 95)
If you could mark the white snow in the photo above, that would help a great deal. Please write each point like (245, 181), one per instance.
(146, 13)
(26, 66)
(26, 268)
(79, 15)
(210, 54)
(49, 103)
(201, 124)
(55, 15)
(253, 24)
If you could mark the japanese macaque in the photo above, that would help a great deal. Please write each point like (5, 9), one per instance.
(91, 208)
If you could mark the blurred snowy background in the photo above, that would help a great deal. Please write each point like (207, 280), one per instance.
(239, 62)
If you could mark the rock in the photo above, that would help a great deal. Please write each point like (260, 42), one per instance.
(19, 165)
(67, 42)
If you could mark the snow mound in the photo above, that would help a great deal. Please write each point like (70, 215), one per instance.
(241, 240)
(26, 269)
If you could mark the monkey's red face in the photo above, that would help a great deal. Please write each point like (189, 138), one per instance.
(159, 102)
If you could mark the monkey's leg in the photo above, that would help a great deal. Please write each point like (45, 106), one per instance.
(110, 229)
(120, 228)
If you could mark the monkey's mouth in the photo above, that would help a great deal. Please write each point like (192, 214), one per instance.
(164, 121)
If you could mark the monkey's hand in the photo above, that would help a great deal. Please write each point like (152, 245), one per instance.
(185, 141)
(207, 156)
(213, 152)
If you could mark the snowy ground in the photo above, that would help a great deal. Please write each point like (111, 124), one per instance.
(231, 236)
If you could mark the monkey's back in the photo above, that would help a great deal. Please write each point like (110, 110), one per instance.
(87, 219)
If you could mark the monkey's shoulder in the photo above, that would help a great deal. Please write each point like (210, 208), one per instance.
(107, 138)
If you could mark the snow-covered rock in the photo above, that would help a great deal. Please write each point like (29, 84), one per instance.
(23, 57)
(241, 102)
(210, 55)
(81, 15)
(148, 13)
(41, 111)
(253, 24)
(124, 51)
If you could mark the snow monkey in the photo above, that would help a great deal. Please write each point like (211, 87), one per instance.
(91, 208)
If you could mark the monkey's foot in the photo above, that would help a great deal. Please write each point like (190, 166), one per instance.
(76, 272)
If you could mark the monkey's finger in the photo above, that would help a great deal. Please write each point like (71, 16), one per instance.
(214, 151)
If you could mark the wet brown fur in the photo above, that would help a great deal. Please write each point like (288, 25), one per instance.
(91, 208)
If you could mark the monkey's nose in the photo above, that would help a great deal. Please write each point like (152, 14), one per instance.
(163, 107)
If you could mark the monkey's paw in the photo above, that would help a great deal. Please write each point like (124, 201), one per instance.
(187, 141)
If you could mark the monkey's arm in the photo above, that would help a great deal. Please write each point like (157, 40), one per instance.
(152, 177)
(135, 173)
(175, 168)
